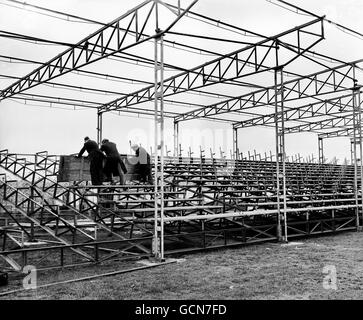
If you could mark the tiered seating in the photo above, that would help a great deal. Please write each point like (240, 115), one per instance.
(211, 197)
(207, 203)
(59, 216)
(253, 183)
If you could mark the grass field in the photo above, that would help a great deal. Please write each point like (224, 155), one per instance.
(263, 271)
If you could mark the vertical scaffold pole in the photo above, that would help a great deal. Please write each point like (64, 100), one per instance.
(99, 127)
(358, 103)
(321, 150)
(280, 153)
(235, 143)
(351, 151)
(357, 154)
(176, 138)
(158, 243)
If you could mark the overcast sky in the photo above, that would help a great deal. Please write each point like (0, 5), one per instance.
(32, 128)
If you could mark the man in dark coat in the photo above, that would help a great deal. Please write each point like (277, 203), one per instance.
(114, 164)
(96, 160)
(144, 163)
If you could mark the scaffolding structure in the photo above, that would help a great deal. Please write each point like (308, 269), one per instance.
(195, 202)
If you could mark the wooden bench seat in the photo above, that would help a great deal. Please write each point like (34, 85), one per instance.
(133, 201)
(183, 208)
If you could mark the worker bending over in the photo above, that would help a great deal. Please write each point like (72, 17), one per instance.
(96, 158)
(114, 164)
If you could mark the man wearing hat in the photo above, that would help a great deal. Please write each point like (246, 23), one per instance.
(95, 157)
(114, 164)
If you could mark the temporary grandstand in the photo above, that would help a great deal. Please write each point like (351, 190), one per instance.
(199, 200)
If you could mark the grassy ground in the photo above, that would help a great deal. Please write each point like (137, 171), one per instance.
(264, 271)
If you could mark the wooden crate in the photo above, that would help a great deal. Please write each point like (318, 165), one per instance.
(73, 169)
(77, 169)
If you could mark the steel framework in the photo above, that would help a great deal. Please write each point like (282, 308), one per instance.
(196, 202)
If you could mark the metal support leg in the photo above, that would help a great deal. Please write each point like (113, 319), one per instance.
(321, 150)
(158, 239)
(358, 104)
(351, 151)
(235, 144)
(176, 138)
(357, 153)
(99, 127)
(280, 153)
